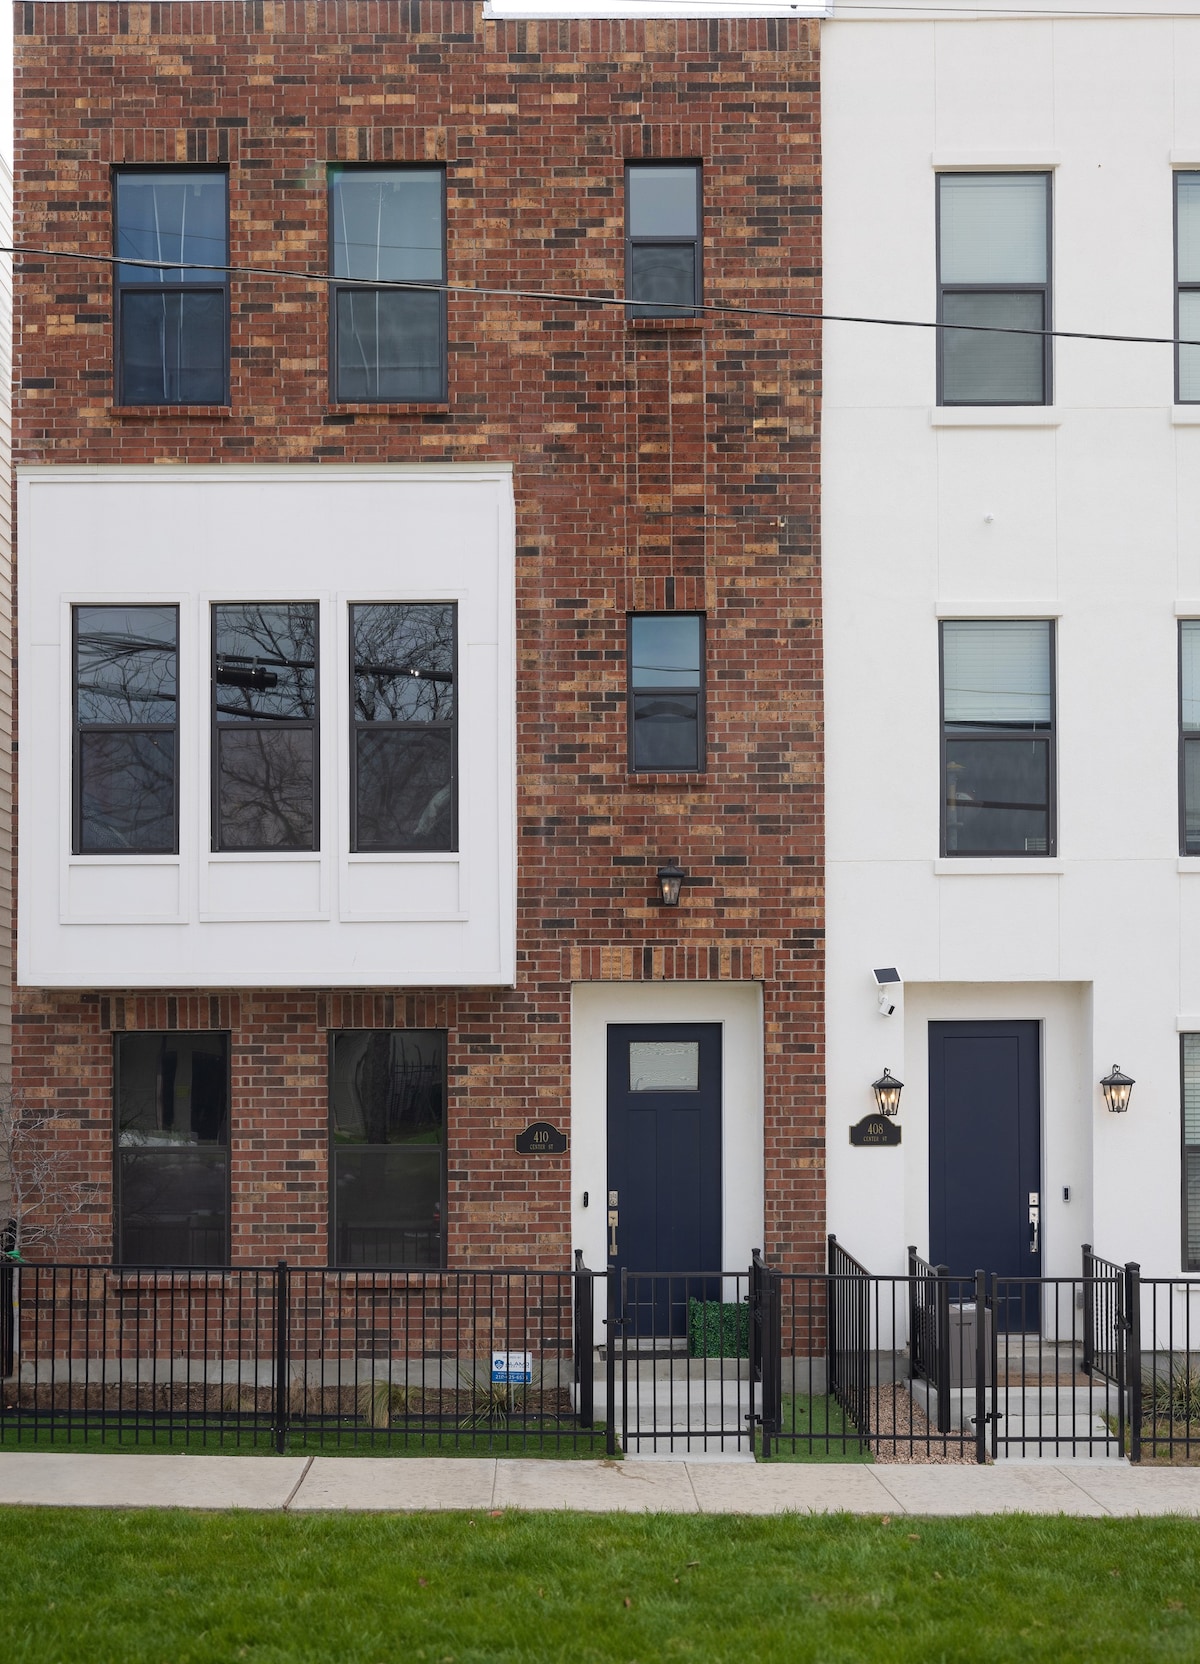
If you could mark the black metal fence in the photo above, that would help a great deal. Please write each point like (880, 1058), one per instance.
(842, 1364)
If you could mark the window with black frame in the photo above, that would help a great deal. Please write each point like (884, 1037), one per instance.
(994, 275)
(387, 1098)
(662, 239)
(172, 324)
(1190, 1069)
(126, 724)
(404, 741)
(1187, 287)
(998, 737)
(387, 225)
(1189, 736)
(666, 691)
(172, 1156)
(265, 725)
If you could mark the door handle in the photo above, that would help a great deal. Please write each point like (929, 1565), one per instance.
(1033, 1230)
(612, 1233)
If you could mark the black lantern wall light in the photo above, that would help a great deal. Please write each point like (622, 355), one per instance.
(1117, 1089)
(670, 882)
(887, 1090)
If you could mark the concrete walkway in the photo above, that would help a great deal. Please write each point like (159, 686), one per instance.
(403, 1484)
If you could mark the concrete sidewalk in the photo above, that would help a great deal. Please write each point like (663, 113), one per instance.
(405, 1484)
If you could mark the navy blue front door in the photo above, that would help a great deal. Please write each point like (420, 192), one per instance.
(985, 1154)
(664, 1161)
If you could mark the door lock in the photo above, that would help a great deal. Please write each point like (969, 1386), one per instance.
(612, 1224)
(1034, 1219)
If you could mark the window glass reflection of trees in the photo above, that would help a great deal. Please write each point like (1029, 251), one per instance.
(387, 1104)
(126, 698)
(172, 1148)
(404, 740)
(265, 708)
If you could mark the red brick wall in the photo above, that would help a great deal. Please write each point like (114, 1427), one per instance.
(656, 466)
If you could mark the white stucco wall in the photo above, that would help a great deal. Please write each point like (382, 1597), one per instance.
(193, 536)
(1087, 512)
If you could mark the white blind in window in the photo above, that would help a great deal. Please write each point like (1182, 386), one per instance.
(1188, 187)
(1191, 1089)
(1189, 653)
(996, 672)
(993, 227)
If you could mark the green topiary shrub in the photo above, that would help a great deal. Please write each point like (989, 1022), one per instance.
(718, 1329)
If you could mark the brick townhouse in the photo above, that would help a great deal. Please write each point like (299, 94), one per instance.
(387, 653)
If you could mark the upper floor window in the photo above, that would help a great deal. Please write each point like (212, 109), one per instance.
(662, 239)
(1187, 286)
(172, 1178)
(1189, 736)
(994, 274)
(403, 746)
(998, 737)
(666, 691)
(172, 325)
(126, 723)
(387, 225)
(387, 1112)
(265, 725)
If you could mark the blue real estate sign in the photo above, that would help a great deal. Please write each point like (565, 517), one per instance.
(512, 1368)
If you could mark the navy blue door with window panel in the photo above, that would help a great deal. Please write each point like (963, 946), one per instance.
(985, 1155)
(664, 1166)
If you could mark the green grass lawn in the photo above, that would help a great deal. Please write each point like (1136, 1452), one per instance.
(350, 1440)
(822, 1421)
(82, 1587)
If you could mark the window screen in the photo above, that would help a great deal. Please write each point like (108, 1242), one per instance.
(126, 726)
(1189, 736)
(265, 725)
(172, 324)
(1187, 281)
(997, 737)
(666, 696)
(387, 1129)
(993, 274)
(662, 239)
(387, 225)
(172, 1180)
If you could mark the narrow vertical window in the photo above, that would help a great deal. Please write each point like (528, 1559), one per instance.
(1187, 286)
(1189, 736)
(172, 1126)
(265, 725)
(126, 726)
(994, 274)
(997, 738)
(666, 691)
(404, 740)
(172, 324)
(662, 239)
(1191, 1151)
(387, 1099)
(387, 225)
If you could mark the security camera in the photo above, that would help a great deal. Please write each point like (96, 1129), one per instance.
(887, 980)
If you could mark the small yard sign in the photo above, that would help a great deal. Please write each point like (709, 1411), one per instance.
(512, 1368)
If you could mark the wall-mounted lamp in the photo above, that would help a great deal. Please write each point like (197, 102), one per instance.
(1117, 1088)
(887, 1090)
(670, 882)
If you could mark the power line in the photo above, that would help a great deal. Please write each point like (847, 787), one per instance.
(555, 297)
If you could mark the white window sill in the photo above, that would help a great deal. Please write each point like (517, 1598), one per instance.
(1003, 865)
(994, 416)
(1185, 415)
(998, 609)
(1188, 863)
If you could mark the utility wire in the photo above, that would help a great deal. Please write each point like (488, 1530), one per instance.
(555, 297)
